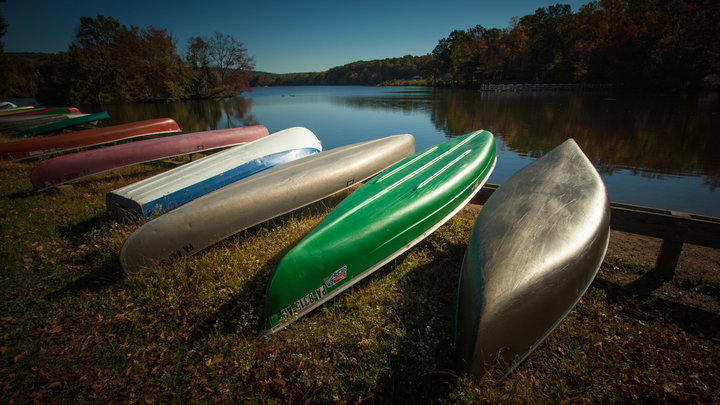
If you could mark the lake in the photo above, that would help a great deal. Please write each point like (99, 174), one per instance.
(655, 150)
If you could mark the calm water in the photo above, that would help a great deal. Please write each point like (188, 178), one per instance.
(653, 150)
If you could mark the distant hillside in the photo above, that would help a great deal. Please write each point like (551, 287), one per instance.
(372, 72)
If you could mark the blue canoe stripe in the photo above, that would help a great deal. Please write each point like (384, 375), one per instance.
(187, 194)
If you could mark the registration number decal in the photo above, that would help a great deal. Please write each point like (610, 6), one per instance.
(303, 302)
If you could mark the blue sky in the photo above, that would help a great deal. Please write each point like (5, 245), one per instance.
(283, 37)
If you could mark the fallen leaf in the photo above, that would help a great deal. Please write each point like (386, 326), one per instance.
(217, 359)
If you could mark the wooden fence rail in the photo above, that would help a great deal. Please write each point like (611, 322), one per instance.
(674, 228)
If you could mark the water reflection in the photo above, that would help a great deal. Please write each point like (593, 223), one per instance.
(650, 135)
(192, 116)
(655, 150)
(405, 102)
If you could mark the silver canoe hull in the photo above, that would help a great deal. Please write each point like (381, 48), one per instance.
(258, 198)
(534, 250)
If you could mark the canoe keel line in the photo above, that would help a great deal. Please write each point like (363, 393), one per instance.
(378, 222)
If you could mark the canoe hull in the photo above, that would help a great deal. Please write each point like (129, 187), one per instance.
(14, 124)
(171, 189)
(37, 147)
(534, 250)
(70, 122)
(27, 111)
(66, 168)
(258, 198)
(378, 222)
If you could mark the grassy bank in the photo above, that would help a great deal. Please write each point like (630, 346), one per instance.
(76, 329)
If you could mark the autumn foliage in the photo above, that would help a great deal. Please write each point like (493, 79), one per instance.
(109, 61)
(648, 43)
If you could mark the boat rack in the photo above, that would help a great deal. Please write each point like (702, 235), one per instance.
(674, 228)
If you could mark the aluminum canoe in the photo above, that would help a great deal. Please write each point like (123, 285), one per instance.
(535, 247)
(378, 222)
(258, 198)
(70, 122)
(37, 147)
(66, 168)
(166, 191)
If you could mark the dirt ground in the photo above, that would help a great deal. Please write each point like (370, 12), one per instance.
(644, 250)
(699, 265)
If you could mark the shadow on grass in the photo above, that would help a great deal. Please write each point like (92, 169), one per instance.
(428, 294)
(20, 194)
(77, 232)
(226, 319)
(636, 301)
(250, 298)
(105, 271)
(112, 176)
(106, 275)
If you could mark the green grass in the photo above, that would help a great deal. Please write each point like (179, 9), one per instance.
(76, 329)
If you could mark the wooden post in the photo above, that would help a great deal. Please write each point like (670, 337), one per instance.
(668, 258)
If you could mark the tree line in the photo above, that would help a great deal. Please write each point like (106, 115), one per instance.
(661, 44)
(638, 43)
(374, 72)
(109, 61)
(668, 44)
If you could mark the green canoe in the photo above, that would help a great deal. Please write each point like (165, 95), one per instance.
(376, 223)
(70, 122)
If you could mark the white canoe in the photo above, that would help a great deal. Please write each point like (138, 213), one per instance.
(258, 198)
(166, 191)
(536, 246)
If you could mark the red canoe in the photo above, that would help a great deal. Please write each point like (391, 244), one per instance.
(66, 168)
(35, 147)
(47, 111)
(25, 111)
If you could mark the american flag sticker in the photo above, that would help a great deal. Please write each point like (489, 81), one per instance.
(336, 277)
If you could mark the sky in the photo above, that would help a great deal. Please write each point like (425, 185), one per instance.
(282, 36)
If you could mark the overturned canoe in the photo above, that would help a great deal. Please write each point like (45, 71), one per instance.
(258, 198)
(28, 111)
(14, 124)
(535, 248)
(36, 147)
(68, 123)
(171, 189)
(66, 168)
(378, 222)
